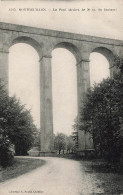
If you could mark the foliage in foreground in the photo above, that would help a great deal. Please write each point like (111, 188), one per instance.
(16, 127)
(109, 176)
(6, 156)
(101, 115)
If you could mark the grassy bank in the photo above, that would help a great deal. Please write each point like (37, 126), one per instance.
(106, 176)
(19, 167)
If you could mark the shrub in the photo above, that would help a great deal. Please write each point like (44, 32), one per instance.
(6, 156)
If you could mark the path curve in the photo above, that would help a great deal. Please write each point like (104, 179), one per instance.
(58, 176)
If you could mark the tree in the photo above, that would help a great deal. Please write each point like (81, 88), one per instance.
(70, 144)
(64, 142)
(37, 135)
(17, 124)
(60, 142)
(6, 157)
(75, 139)
(102, 112)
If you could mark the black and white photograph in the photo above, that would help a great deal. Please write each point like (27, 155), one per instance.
(61, 97)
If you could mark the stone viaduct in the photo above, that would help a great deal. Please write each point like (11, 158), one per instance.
(45, 41)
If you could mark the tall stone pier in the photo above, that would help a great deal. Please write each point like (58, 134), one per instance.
(44, 42)
(46, 145)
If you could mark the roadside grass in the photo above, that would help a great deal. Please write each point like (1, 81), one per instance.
(108, 176)
(105, 175)
(71, 156)
(19, 167)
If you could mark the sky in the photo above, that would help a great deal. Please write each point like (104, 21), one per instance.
(96, 23)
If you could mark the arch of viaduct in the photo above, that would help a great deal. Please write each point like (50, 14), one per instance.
(44, 41)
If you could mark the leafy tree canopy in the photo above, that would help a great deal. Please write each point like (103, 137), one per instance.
(16, 123)
(102, 114)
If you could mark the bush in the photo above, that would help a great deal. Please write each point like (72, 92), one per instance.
(6, 156)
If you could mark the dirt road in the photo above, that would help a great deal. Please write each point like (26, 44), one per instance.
(57, 177)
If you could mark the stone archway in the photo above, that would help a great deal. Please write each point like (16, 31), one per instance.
(24, 78)
(47, 138)
(64, 82)
(70, 47)
(75, 51)
(108, 54)
(28, 40)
